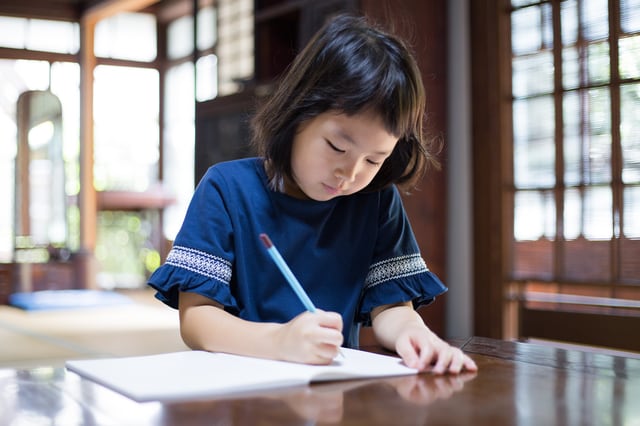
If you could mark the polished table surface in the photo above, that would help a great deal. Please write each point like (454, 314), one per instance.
(517, 383)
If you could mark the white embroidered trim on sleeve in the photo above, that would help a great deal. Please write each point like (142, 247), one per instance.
(200, 262)
(397, 267)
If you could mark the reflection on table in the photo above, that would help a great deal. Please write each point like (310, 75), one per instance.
(518, 383)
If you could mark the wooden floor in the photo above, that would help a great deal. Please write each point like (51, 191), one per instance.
(32, 339)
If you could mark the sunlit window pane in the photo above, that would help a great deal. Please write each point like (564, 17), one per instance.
(534, 215)
(569, 16)
(572, 214)
(598, 62)
(588, 213)
(573, 146)
(587, 157)
(179, 137)
(595, 59)
(533, 74)
(595, 19)
(9, 78)
(207, 28)
(597, 213)
(127, 36)
(39, 34)
(632, 212)
(207, 75)
(53, 36)
(570, 68)
(517, 3)
(126, 133)
(65, 84)
(598, 168)
(34, 75)
(13, 32)
(235, 45)
(531, 29)
(630, 15)
(629, 57)
(534, 147)
(180, 38)
(630, 132)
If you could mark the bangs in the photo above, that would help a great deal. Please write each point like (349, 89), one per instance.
(377, 75)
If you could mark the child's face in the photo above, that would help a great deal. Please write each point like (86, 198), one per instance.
(336, 154)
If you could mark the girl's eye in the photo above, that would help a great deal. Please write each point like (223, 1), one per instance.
(373, 163)
(335, 148)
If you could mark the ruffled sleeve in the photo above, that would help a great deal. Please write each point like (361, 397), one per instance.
(202, 256)
(398, 272)
(421, 288)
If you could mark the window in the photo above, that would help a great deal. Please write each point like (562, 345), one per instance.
(576, 97)
(19, 76)
(127, 36)
(137, 89)
(126, 115)
(576, 169)
(224, 60)
(556, 87)
(39, 34)
(126, 145)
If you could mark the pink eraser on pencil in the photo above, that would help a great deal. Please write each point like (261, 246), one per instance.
(266, 241)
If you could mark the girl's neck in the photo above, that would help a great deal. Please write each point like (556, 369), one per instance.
(283, 184)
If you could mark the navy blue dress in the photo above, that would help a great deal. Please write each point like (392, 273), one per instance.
(350, 253)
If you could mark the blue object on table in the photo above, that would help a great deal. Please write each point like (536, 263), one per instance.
(66, 299)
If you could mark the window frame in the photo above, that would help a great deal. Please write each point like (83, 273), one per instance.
(505, 307)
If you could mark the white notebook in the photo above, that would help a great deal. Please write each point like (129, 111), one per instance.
(199, 374)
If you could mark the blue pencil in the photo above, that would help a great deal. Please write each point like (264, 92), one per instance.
(291, 279)
(284, 268)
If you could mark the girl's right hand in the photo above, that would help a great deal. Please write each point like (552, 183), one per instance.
(311, 337)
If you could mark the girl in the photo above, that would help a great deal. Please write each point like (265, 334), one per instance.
(338, 135)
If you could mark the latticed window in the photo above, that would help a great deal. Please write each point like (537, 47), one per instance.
(575, 190)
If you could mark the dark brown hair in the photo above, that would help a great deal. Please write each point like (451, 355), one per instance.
(349, 66)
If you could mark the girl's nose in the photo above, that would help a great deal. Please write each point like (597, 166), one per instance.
(347, 172)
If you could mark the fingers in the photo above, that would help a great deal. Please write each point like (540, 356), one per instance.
(453, 360)
(329, 319)
(316, 336)
(449, 360)
(415, 356)
(435, 355)
(469, 364)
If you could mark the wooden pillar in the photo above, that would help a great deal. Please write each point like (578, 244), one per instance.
(86, 267)
(491, 135)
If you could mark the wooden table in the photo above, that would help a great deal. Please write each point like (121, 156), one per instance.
(518, 383)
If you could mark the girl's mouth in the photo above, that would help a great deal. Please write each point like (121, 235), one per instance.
(330, 189)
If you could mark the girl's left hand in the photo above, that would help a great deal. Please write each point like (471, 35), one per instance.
(420, 348)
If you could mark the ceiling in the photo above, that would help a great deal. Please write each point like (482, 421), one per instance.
(71, 10)
(46, 9)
